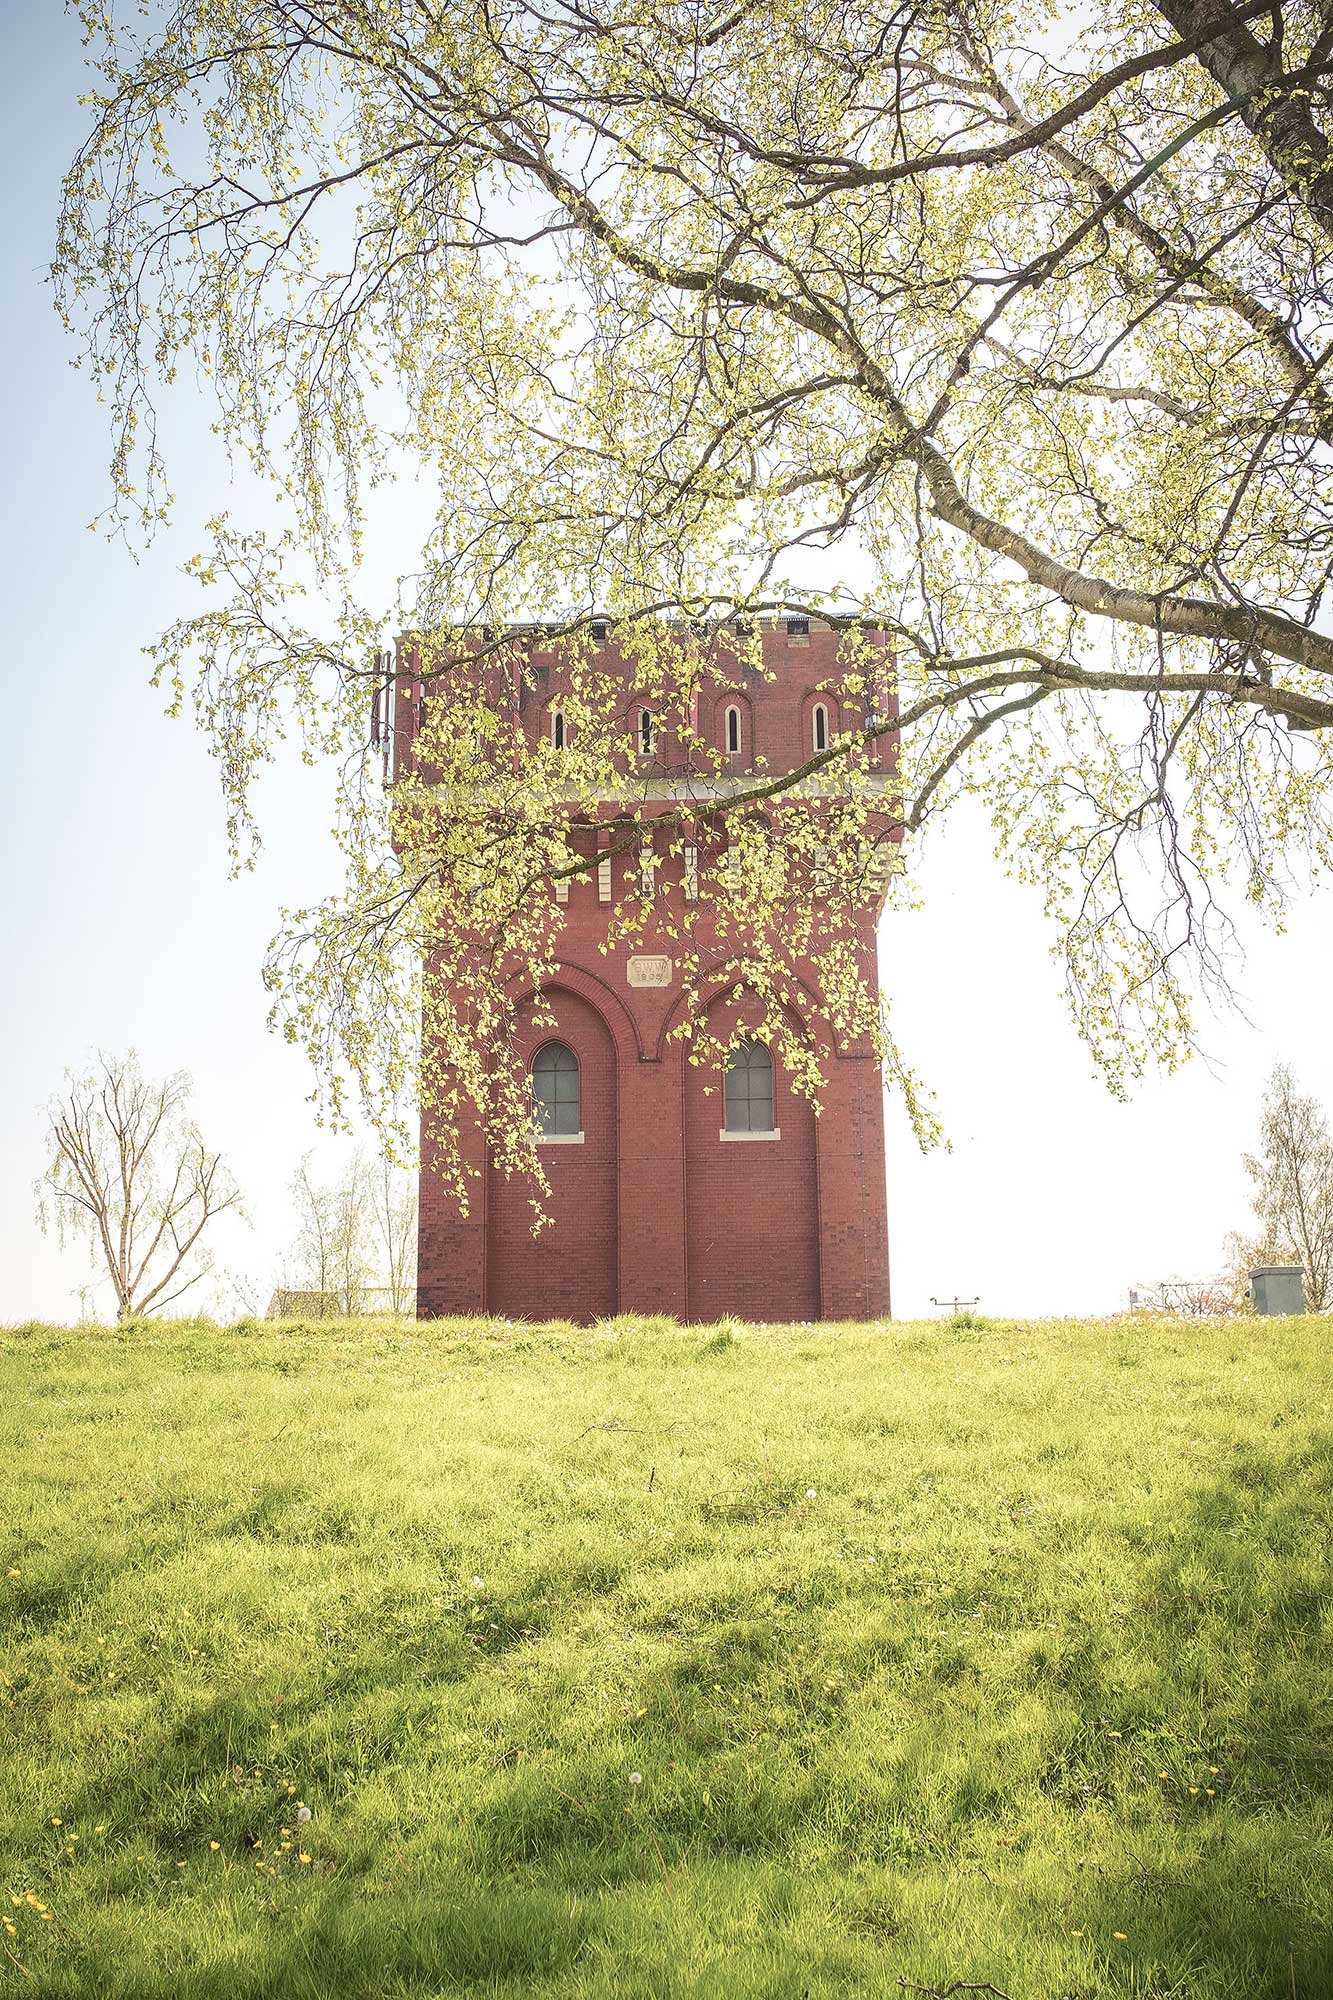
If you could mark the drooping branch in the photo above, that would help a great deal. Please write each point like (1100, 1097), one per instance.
(1031, 342)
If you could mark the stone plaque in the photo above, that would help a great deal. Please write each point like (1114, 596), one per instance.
(650, 971)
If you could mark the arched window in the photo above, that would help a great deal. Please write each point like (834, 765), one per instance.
(558, 729)
(647, 732)
(749, 1089)
(733, 731)
(820, 727)
(555, 1090)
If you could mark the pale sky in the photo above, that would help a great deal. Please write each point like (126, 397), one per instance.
(119, 925)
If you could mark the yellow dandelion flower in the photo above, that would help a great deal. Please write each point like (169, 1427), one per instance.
(180, 1864)
(46, 1916)
(1194, 1791)
(1122, 1935)
(101, 1828)
(56, 1822)
(303, 1858)
(1116, 1734)
(1076, 1934)
(1212, 1770)
(16, 1572)
(1211, 1791)
(215, 1844)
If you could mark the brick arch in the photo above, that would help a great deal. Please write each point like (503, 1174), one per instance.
(569, 1270)
(803, 1009)
(601, 996)
(751, 1205)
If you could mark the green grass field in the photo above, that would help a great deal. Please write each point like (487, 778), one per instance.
(649, 1661)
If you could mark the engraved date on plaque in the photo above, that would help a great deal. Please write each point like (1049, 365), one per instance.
(651, 971)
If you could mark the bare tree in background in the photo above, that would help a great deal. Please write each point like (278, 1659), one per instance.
(312, 1252)
(1186, 1298)
(1293, 1186)
(396, 1226)
(129, 1171)
(332, 1253)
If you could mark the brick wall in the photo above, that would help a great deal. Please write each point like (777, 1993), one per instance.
(568, 1270)
(776, 706)
(752, 1205)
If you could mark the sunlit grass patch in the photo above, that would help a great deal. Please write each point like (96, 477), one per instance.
(374, 1659)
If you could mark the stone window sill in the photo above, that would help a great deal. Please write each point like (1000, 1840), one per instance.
(774, 1134)
(560, 1138)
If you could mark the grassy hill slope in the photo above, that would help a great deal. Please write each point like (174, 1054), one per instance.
(649, 1661)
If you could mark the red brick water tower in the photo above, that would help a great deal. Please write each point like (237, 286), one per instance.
(667, 1195)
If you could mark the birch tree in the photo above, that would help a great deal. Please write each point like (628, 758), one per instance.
(1007, 336)
(129, 1173)
(1293, 1186)
(395, 1208)
(332, 1252)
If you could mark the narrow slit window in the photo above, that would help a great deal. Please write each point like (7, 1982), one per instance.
(558, 729)
(555, 1090)
(749, 1089)
(647, 732)
(820, 727)
(733, 731)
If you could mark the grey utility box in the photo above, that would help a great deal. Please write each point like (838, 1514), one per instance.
(1278, 1288)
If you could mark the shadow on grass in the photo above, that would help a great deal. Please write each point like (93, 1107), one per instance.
(1217, 1676)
